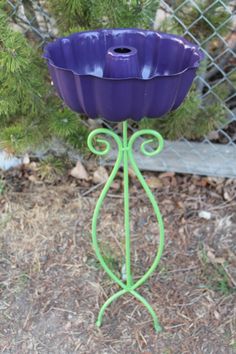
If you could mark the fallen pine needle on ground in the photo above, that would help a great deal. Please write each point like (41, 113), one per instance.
(52, 285)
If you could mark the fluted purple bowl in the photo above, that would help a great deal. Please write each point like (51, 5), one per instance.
(118, 74)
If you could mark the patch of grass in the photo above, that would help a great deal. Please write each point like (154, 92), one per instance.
(202, 255)
(112, 262)
(164, 272)
(215, 275)
(23, 278)
(4, 219)
(22, 281)
(222, 281)
(167, 351)
(233, 345)
(110, 259)
(2, 186)
(51, 168)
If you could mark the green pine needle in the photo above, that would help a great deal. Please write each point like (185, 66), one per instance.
(64, 123)
(191, 120)
(51, 168)
(30, 113)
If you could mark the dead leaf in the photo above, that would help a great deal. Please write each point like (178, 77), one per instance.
(212, 258)
(154, 182)
(180, 204)
(116, 186)
(34, 179)
(192, 188)
(203, 182)
(214, 181)
(166, 175)
(100, 175)
(131, 173)
(79, 172)
(33, 165)
(214, 135)
(173, 182)
(217, 315)
(199, 181)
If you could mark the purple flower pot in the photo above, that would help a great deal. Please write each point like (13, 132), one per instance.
(118, 74)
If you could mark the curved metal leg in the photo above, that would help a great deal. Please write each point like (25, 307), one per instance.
(125, 154)
(107, 303)
(149, 308)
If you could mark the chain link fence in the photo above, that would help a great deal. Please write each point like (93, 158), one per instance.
(207, 157)
(215, 154)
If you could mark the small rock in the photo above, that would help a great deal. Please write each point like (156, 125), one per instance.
(227, 196)
(8, 161)
(60, 249)
(67, 326)
(43, 258)
(100, 175)
(94, 123)
(26, 159)
(204, 214)
(217, 315)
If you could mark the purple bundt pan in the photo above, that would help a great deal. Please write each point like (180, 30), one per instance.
(118, 74)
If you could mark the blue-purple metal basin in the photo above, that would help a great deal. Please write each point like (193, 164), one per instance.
(118, 74)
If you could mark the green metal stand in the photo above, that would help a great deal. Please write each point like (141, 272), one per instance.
(125, 155)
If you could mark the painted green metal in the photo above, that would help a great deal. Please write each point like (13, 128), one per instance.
(126, 156)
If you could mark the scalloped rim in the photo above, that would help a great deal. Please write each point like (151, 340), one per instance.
(185, 42)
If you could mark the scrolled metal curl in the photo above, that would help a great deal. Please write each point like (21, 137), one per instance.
(156, 136)
(94, 137)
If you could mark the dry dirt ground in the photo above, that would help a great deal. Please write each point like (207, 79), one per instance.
(52, 286)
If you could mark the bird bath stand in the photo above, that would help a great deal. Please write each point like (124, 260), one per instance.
(119, 74)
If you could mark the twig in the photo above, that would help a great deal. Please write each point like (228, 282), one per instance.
(63, 310)
(92, 189)
(119, 196)
(175, 326)
(182, 270)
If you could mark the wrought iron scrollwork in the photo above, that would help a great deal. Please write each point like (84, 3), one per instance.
(126, 155)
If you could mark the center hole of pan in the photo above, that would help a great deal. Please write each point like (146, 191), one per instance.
(122, 50)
